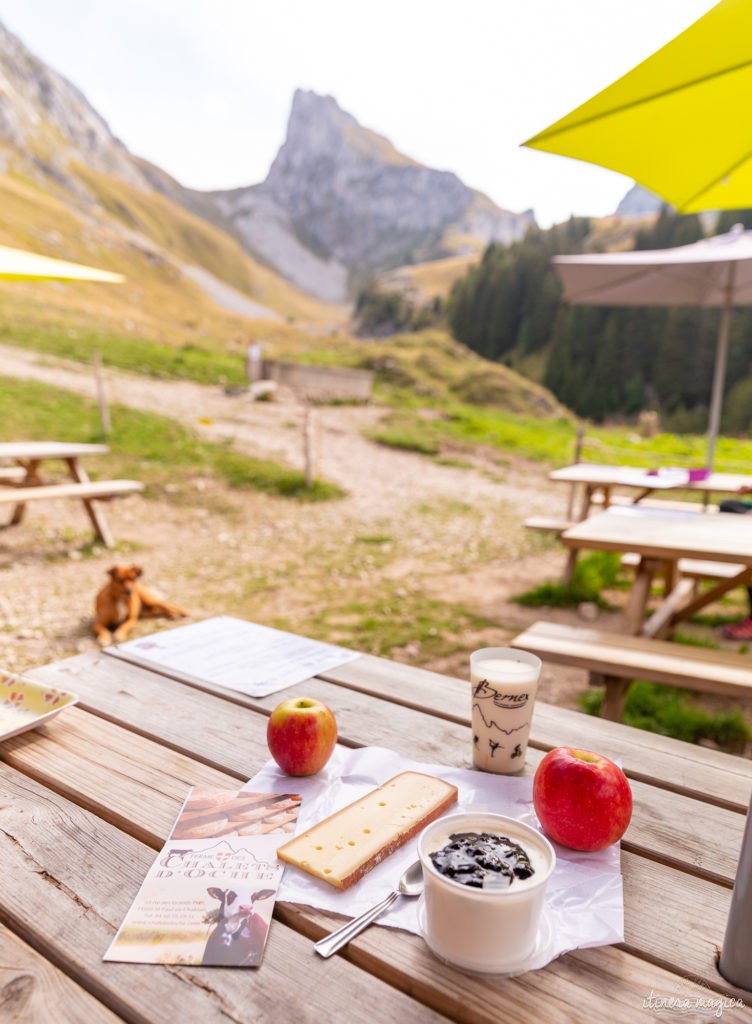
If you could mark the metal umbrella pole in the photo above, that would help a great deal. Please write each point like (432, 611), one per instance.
(735, 963)
(719, 374)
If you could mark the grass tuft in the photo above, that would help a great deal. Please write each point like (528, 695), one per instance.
(390, 621)
(671, 712)
(143, 445)
(592, 575)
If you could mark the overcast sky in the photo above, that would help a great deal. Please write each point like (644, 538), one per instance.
(203, 89)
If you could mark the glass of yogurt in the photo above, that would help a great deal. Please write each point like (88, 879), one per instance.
(485, 878)
(504, 685)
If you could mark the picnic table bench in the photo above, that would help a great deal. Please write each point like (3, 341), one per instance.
(558, 524)
(616, 659)
(695, 569)
(661, 539)
(22, 482)
(598, 483)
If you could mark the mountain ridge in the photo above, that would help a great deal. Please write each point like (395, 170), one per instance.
(340, 204)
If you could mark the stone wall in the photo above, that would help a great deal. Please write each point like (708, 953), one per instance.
(321, 383)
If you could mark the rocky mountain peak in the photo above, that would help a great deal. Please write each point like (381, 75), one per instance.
(637, 202)
(320, 132)
(348, 204)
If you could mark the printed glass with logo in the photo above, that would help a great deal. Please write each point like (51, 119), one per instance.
(504, 685)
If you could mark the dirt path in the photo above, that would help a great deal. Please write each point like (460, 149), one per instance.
(415, 533)
(374, 476)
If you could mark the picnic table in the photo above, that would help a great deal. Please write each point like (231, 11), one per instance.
(599, 482)
(90, 797)
(661, 539)
(22, 480)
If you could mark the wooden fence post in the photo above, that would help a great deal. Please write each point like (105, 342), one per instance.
(578, 444)
(309, 452)
(104, 409)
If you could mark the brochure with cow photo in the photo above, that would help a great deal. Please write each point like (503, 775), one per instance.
(208, 898)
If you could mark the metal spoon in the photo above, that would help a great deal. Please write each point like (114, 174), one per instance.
(411, 884)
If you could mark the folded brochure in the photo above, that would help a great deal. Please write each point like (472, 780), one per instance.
(209, 896)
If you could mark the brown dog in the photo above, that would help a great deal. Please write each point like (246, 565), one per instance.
(121, 602)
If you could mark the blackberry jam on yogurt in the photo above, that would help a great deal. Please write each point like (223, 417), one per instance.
(485, 877)
(483, 860)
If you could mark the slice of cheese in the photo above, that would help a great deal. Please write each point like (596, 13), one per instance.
(343, 847)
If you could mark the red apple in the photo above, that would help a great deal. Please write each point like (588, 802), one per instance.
(582, 799)
(301, 734)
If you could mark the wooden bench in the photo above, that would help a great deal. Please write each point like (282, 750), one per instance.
(614, 660)
(694, 568)
(11, 474)
(550, 524)
(664, 503)
(558, 524)
(684, 585)
(87, 491)
(99, 490)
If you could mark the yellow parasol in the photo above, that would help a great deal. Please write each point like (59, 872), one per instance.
(17, 265)
(679, 122)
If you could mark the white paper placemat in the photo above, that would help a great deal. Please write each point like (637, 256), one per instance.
(584, 895)
(233, 653)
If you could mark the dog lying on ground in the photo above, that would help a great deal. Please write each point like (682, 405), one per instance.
(122, 601)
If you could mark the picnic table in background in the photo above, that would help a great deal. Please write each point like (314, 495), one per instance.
(90, 797)
(661, 538)
(22, 480)
(601, 481)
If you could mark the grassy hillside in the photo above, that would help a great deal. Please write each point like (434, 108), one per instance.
(427, 281)
(160, 322)
(146, 237)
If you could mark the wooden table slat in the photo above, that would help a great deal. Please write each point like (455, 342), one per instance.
(72, 845)
(669, 827)
(68, 880)
(104, 768)
(32, 989)
(121, 692)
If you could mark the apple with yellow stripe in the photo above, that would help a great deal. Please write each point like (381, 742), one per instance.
(301, 734)
(583, 800)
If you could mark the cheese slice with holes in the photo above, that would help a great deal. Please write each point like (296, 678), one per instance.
(345, 846)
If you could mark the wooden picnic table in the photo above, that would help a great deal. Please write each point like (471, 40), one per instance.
(601, 481)
(90, 797)
(23, 481)
(661, 539)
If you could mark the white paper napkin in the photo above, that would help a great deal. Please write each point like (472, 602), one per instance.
(584, 898)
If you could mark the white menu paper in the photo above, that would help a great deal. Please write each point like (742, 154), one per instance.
(224, 651)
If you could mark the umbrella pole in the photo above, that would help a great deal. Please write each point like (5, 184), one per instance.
(719, 374)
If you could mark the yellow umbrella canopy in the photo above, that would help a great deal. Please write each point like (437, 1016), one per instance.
(18, 265)
(679, 122)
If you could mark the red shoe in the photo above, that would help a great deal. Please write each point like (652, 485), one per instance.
(739, 630)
